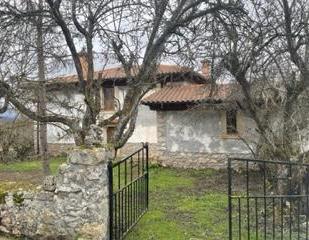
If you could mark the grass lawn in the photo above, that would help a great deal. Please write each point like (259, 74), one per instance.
(184, 204)
(24, 175)
(34, 165)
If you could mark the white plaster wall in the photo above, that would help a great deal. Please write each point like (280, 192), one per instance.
(55, 132)
(145, 129)
(146, 126)
(203, 131)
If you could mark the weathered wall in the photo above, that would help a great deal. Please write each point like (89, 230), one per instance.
(129, 148)
(146, 126)
(55, 133)
(197, 138)
(72, 205)
(200, 131)
(145, 129)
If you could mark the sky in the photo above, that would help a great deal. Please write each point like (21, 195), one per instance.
(9, 115)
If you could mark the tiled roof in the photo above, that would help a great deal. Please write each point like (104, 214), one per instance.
(119, 73)
(193, 93)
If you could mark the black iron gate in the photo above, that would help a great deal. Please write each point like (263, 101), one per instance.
(268, 199)
(129, 183)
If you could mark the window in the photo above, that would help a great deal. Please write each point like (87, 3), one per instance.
(108, 94)
(231, 122)
(110, 133)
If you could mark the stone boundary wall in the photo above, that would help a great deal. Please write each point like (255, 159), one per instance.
(197, 160)
(72, 205)
(129, 148)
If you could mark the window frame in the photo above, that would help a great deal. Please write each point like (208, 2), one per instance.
(108, 106)
(110, 132)
(231, 121)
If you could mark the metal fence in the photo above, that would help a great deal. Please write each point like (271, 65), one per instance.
(267, 199)
(129, 184)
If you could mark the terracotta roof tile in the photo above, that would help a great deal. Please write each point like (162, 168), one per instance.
(192, 93)
(118, 73)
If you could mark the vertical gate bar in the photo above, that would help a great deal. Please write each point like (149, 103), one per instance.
(125, 210)
(111, 196)
(138, 164)
(130, 204)
(122, 213)
(239, 219)
(125, 195)
(139, 196)
(135, 201)
(119, 215)
(130, 194)
(115, 229)
(143, 159)
(131, 162)
(298, 220)
(248, 200)
(307, 208)
(274, 219)
(125, 173)
(256, 219)
(281, 212)
(264, 191)
(145, 189)
(229, 169)
(144, 193)
(305, 204)
(147, 174)
(289, 199)
(137, 189)
(144, 178)
(128, 207)
(290, 219)
(118, 176)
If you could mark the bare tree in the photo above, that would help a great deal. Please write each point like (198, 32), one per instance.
(266, 52)
(137, 40)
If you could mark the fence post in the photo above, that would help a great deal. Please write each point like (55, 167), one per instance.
(110, 192)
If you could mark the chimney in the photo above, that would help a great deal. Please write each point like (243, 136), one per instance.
(84, 62)
(205, 68)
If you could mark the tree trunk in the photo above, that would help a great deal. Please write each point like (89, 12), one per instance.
(42, 94)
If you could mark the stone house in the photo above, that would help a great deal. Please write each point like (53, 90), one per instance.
(113, 83)
(196, 129)
(184, 125)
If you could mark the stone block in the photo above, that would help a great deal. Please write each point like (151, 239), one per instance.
(63, 209)
(49, 184)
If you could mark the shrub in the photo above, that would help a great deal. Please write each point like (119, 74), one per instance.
(16, 142)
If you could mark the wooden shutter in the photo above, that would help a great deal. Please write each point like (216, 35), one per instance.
(109, 94)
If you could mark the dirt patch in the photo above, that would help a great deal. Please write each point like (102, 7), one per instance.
(33, 177)
(217, 181)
